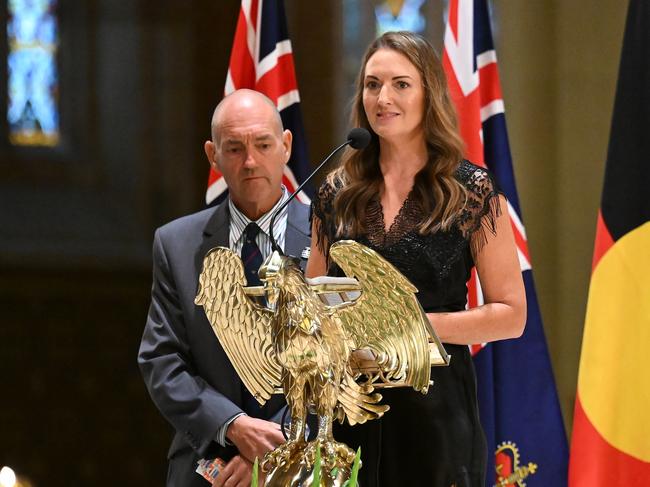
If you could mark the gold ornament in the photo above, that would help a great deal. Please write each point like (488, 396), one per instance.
(328, 359)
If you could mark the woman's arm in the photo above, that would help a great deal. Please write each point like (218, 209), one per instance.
(317, 263)
(504, 313)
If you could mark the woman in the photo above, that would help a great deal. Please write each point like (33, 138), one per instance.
(411, 197)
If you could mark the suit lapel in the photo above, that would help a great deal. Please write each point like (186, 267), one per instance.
(216, 233)
(217, 230)
(297, 237)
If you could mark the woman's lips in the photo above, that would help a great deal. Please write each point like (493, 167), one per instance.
(387, 115)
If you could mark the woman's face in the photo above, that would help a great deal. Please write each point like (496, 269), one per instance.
(393, 95)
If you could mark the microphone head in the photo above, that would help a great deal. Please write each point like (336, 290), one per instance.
(358, 138)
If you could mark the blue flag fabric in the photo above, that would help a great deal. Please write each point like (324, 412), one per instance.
(518, 401)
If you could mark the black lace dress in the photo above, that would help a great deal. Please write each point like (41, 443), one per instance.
(432, 440)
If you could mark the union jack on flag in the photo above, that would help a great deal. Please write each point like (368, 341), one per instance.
(518, 401)
(261, 59)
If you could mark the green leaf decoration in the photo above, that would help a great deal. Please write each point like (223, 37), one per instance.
(355, 469)
(316, 481)
(334, 472)
(254, 480)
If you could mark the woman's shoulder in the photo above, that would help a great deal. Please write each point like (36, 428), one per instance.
(482, 206)
(474, 177)
(330, 186)
(479, 182)
(328, 189)
(323, 200)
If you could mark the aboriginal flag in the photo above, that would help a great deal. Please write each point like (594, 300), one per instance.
(610, 445)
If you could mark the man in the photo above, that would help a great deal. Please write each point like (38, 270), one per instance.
(186, 371)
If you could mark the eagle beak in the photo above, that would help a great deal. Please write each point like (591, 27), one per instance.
(272, 293)
(269, 274)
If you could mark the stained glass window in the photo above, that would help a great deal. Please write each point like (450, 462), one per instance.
(400, 15)
(32, 111)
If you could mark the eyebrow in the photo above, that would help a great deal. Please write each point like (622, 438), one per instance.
(232, 142)
(394, 77)
(259, 138)
(264, 137)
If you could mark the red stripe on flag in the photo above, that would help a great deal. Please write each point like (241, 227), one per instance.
(468, 110)
(603, 242)
(473, 301)
(469, 114)
(472, 290)
(253, 18)
(474, 349)
(279, 80)
(242, 67)
(213, 176)
(520, 240)
(289, 185)
(489, 86)
(453, 20)
(594, 462)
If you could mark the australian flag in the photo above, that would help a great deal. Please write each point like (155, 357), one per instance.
(518, 401)
(262, 59)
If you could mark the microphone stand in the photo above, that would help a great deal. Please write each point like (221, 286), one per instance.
(274, 244)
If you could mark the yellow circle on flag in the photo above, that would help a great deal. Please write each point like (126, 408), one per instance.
(614, 379)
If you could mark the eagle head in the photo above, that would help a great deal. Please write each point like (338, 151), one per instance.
(273, 275)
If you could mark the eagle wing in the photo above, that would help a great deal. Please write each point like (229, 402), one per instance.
(387, 318)
(242, 327)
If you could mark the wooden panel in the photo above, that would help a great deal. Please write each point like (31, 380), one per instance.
(74, 409)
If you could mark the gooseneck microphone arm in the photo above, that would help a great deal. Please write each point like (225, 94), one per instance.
(358, 138)
(274, 244)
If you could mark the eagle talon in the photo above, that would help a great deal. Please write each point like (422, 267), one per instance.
(283, 455)
(333, 454)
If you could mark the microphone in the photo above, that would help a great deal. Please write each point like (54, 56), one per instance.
(358, 138)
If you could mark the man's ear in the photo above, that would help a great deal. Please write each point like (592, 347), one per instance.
(211, 153)
(287, 138)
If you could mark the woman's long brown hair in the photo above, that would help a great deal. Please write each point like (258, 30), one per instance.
(436, 189)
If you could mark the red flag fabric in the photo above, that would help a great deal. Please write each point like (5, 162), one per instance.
(262, 59)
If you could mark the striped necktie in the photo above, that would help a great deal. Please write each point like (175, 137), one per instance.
(251, 255)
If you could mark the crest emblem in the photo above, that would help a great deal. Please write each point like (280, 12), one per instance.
(509, 472)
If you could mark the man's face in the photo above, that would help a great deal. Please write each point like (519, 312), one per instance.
(250, 149)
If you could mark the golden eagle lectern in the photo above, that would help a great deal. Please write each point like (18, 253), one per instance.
(327, 359)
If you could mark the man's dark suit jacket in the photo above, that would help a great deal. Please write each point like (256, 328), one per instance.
(186, 371)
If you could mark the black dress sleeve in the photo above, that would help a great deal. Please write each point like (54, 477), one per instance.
(482, 206)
